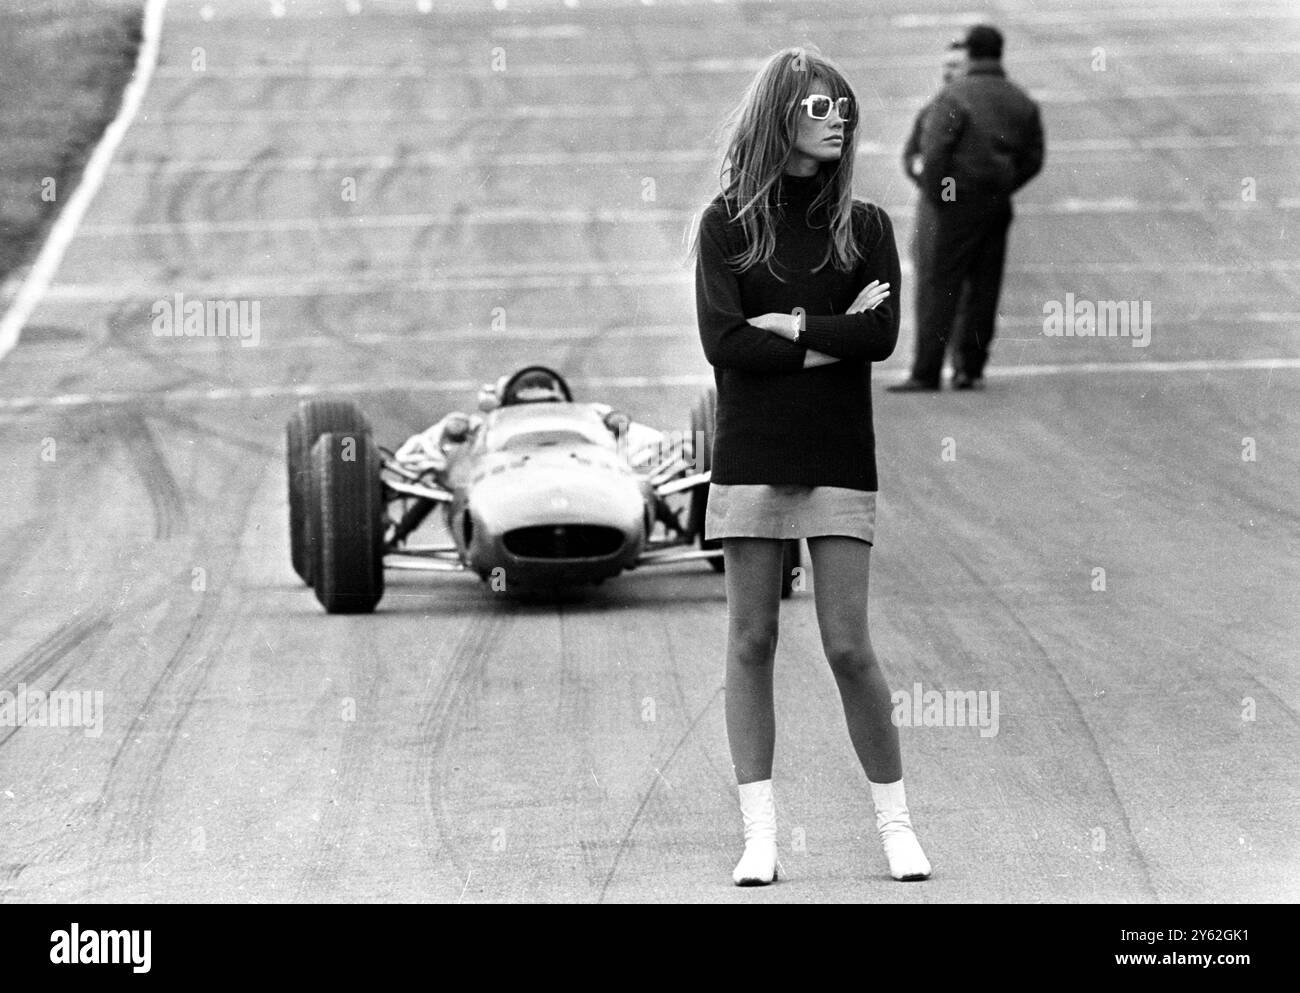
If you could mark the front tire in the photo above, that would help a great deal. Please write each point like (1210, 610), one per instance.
(345, 501)
(311, 420)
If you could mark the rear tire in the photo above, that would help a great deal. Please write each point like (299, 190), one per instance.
(346, 511)
(312, 419)
(704, 425)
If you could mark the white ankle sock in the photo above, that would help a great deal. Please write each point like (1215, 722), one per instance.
(758, 866)
(894, 824)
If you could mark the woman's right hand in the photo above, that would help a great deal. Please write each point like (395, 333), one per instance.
(872, 295)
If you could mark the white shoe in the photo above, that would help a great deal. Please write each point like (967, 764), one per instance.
(758, 866)
(907, 861)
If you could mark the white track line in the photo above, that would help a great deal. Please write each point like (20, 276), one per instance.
(279, 287)
(683, 333)
(412, 64)
(502, 281)
(640, 158)
(629, 72)
(78, 400)
(1188, 365)
(65, 225)
(585, 217)
(699, 112)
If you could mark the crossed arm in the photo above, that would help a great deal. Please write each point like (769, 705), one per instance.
(872, 296)
(867, 331)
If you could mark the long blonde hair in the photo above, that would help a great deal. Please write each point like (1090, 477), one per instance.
(762, 131)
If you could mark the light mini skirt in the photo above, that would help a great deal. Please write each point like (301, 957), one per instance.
(789, 510)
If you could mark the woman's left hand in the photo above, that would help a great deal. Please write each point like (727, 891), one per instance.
(871, 297)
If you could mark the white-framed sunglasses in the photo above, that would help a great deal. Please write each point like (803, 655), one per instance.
(819, 107)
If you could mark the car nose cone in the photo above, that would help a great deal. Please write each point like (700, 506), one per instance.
(557, 488)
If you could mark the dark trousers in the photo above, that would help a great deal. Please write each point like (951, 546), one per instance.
(959, 251)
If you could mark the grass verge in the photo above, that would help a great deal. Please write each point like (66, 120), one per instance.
(63, 66)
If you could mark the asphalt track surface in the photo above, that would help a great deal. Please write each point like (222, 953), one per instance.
(574, 750)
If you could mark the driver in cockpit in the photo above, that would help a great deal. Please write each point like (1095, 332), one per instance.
(431, 449)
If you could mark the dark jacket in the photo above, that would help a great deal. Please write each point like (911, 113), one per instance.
(982, 131)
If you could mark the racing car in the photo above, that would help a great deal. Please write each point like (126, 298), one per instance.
(539, 492)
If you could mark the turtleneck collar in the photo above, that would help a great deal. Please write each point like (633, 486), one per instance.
(799, 190)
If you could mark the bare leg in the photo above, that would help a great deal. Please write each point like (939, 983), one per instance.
(753, 604)
(841, 570)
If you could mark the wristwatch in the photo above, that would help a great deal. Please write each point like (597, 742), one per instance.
(796, 323)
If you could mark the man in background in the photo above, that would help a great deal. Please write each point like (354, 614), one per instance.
(954, 62)
(981, 140)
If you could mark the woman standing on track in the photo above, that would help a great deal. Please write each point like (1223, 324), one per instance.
(795, 283)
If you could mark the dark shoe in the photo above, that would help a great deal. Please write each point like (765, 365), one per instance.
(961, 381)
(911, 385)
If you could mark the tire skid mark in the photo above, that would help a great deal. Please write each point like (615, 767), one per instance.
(174, 372)
(455, 234)
(1167, 160)
(655, 779)
(1241, 665)
(251, 186)
(9, 873)
(1103, 769)
(329, 200)
(165, 494)
(319, 314)
(179, 681)
(56, 647)
(1172, 481)
(20, 543)
(945, 495)
(133, 829)
(629, 295)
(476, 644)
(176, 243)
(40, 657)
(183, 88)
(179, 419)
(340, 810)
(725, 777)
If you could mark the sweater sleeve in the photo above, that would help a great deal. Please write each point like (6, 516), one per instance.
(730, 341)
(869, 336)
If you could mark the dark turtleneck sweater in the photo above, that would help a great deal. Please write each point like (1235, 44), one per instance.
(779, 422)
